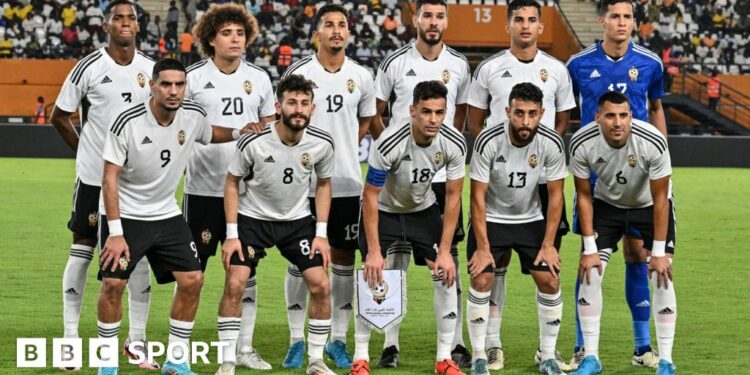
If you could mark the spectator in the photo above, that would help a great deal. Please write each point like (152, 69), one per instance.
(6, 47)
(252, 7)
(70, 34)
(713, 89)
(40, 116)
(390, 24)
(282, 56)
(173, 17)
(366, 34)
(69, 15)
(719, 20)
(265, 17)
(154, 29)
(95, 17)
(186, 47)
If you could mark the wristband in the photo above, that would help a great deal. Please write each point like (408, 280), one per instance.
(589, 245)
(657, 250)
(236, 134)
(232, 231)
(321, 229)
(115, 227)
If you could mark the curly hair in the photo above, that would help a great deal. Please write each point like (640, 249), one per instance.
(216, 17)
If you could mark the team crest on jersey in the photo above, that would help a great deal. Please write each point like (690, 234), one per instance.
(141, 78)
(92, 219)
(446, 76)
(533, 161)
(248, 86)
(438, 158)
(631, 160)
(250, 252)
(305, 159)
(181, 137)
(633, 73)
(206, 236)
(350, 85)
(123, 263)
(544, 75)
(379, 292)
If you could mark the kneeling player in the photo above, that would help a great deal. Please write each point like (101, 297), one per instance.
(276, 166)
(506, 214)
(632, 161)
(145, 153)
(398, 204)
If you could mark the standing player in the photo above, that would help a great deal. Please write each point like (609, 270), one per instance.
(632, 161)
(617, 64)
(399, 205)
(427, 59)
(233, 93)
(101, 85)
(276, 166)
(345, 98)
(490, 89)
(506, 213)
(146, 150)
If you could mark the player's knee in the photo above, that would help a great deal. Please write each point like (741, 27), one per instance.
(633, 250)
(483, 282)
(549, 286)
(191, 282)
(112, 288)
(234, 288)
(320, 288)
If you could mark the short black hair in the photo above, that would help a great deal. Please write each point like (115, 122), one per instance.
(429, 90)
(294, 83)
(527, 92)
(518, 4)
(604, 5)
(114, 3)
(166, 64)
(330, 8)
(614, 97)
(432, 2)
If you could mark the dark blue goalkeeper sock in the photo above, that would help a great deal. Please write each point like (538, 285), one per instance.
(579, 333)
(639, 301)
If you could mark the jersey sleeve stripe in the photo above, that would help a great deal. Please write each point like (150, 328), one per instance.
(457, 54)
(83, 62)
(126, 116)
(296, 66)
(551, 134)
(194, 106)
(645, 52)
(579, 142)
(394, 138)
(78, 73)
(254, 66)
(318, 135)
(485, 136)
(387, 62)
(147, 57)
(456, 139)
(487, 60)
(321, 134)
(586, 51)
(583, 134)
(196, 66)
(247, 138)
(660, 144)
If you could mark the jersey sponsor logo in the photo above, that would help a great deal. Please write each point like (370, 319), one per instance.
(141, 79)
(406, 157)
(248, 87)
(93, 219)
(411, 73)
(206, 236)
(554, 323)
(248, 300)
(670, 244)
(506, 75)
(348, 306)
(600, 161)
(147, 290)
(533, 161)
(478, 320)
(595, 74)
(295, 307)
(631, 160)
(350, 85)
(633, 73)
(446, 76)
(146, 141)
(666, 311)
(544, 75)
(500, 159)
(71, 292)
(269, 159)
(305, 159)
(208, 85)
(450, 316)
(643, 303)
(583, 302)
(106, 79)
(438, 157)
(181, 137)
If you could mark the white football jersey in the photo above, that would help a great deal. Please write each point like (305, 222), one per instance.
(623, 173)
(153, 158)
(412, 168)
(100, 89)
(231, 101)
(403, 69)
(341, 98)
(495, 77)
(276, 177)
(513, 173)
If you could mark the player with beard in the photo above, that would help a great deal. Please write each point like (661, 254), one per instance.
(275, 167)
(345, 98)
(425, 60)
(100, 86)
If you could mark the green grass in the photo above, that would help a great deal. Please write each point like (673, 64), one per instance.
(711, 271)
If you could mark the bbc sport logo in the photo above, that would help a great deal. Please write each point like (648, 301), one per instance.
(68, 352)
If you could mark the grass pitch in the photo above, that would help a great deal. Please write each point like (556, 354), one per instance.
(711, 275)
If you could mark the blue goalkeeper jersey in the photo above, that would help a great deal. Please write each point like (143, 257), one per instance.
(639, 74)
